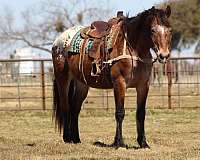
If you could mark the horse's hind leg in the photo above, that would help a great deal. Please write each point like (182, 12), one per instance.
(61, 89)
(77, 94)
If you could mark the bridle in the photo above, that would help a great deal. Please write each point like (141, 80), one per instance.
(132, 53)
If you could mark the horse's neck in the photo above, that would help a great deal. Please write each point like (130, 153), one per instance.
(137, 39)
(132, 31)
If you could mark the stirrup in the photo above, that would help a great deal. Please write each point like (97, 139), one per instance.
(96, 71)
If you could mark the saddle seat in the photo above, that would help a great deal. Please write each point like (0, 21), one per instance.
(98, 29)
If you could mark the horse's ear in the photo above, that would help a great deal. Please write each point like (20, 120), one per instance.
(153, 8)
(168, 11)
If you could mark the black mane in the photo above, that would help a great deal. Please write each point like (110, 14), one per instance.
(158, 13)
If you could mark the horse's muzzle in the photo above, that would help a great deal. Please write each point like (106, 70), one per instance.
(163, 59)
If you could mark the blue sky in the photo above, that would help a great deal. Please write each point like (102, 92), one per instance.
(125, 4)
(131, 6)
(134, 6)
(128, 6)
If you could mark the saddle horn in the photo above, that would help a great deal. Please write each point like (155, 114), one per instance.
(120, 14)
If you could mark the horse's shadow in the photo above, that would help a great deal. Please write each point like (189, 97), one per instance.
(103, 145)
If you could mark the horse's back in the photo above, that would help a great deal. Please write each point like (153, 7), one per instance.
(63, 41)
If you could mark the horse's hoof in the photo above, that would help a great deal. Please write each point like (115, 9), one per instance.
(144, 145)
(75, 141)
(67, 140)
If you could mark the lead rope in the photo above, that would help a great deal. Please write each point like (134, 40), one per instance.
(124, 52)
(81, 60)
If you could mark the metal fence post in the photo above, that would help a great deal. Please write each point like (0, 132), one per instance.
(107, 100)
(18, 88)
(169, 78)
(43, 85)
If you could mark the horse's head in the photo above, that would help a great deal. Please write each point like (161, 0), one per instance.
(159, 32)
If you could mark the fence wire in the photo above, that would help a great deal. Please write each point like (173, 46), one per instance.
(27, 85)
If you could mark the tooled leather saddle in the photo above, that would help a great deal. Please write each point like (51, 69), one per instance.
(98, 32)
(98, 29)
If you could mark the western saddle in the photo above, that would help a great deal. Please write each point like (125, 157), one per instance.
(99, 29)
(98, 32)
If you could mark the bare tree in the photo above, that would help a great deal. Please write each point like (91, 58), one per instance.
(39, 25)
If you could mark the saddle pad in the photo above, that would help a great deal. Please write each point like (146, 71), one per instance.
(76, 44)
(64, 40)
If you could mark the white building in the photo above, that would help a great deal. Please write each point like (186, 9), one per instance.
(28, 67)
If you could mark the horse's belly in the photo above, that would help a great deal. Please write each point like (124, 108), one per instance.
(82, 72)
(101, 82)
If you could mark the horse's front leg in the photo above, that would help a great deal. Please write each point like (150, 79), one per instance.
(142, 92)
(119, 93)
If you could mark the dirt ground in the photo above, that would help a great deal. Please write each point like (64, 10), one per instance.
(172, 134)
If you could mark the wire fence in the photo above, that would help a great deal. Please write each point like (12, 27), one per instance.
(26, 84)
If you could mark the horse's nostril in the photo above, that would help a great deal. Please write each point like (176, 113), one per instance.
(161, 57)
(167, 56)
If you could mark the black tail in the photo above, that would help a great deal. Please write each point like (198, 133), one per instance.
(57, 112)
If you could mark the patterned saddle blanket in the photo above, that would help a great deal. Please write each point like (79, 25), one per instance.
(92, 46)
(72, 40)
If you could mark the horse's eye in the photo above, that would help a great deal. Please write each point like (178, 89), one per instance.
(170, 30)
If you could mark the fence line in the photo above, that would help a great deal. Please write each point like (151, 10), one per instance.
(27, 84)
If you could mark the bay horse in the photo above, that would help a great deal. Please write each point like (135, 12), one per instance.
(128, 65)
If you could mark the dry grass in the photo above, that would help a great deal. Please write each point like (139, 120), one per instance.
(172, 134)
